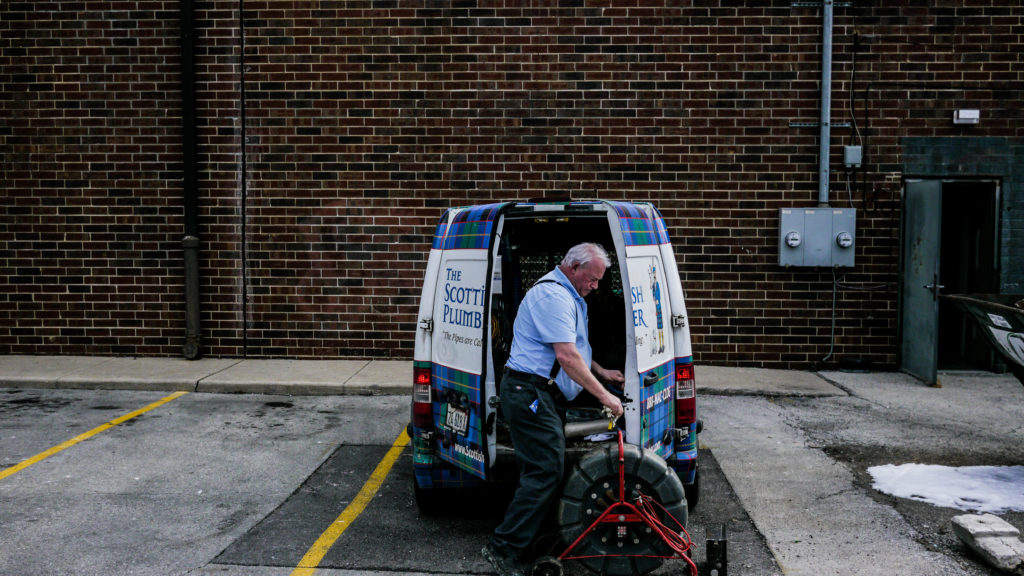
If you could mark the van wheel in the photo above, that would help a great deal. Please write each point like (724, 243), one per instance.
(430, 501)
(592, 487)
(693, 491)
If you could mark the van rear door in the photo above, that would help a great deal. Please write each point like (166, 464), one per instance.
(648, 295)
(458, 338)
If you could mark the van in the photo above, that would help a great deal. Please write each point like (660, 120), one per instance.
(482, 262)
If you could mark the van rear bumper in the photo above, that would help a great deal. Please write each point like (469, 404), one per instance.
(684, 461)
(685, 465)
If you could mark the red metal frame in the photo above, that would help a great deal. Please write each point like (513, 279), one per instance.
(623, 512)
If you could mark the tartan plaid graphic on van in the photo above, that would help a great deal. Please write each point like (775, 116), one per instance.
(657, 408)
(638, 229)
(440, 231)
(471, 227)
(461, 389)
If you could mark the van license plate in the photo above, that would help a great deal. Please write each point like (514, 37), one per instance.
(457, 420)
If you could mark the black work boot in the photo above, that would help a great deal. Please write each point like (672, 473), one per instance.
(503, 565)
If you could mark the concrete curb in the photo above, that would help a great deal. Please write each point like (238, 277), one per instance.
(325, 377)
(109, 373)
(213, 375)
(729, 381)
(311, 377)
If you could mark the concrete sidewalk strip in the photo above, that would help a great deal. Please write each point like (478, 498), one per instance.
(813, 518)
(293, 377)
(106, 372)
(18, 371)
(729, 381)
(326, 377)
(157, 374)
(214, 375)
(382, 377)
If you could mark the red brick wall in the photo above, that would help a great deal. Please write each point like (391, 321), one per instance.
(359, 122)
(91, 169)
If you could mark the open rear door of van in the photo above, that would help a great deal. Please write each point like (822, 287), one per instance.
(648, 295)
(459, 337)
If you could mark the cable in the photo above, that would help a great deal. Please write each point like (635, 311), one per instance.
(832, 345)
(868, 288)
(836, 284)
(677, 538)
(849, 187)
(855, 135)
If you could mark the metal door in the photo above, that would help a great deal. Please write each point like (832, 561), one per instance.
(649, 303)
(922, 219)
(460, 327)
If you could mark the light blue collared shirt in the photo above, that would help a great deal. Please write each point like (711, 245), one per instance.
(550, 314)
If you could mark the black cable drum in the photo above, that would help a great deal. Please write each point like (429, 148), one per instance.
(593, 486)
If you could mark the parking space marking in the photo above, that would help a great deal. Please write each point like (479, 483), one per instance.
(308, 565)
(85, 436)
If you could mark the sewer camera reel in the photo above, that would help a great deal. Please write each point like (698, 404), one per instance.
(623, 511)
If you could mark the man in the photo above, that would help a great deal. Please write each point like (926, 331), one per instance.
(549, 343)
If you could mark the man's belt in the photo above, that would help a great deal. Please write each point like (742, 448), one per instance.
(542, 383)
(531, 378)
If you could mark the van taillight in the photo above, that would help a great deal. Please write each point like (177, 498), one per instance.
(686, 394)
(422, 413)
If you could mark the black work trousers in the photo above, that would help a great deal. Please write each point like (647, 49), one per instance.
(535, 421)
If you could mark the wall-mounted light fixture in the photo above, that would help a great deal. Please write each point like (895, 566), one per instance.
(966, 116)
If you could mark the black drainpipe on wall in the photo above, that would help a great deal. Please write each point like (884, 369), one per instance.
(190, 242)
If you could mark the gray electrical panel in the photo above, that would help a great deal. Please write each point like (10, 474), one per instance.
(817, 236)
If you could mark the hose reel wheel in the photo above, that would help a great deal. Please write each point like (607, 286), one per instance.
(547, 566)
(614, 548)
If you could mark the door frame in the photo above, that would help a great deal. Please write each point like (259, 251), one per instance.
(926, 330)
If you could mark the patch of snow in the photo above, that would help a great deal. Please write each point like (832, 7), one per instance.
(992, 489)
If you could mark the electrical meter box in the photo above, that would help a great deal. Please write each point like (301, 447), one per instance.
(817, 236)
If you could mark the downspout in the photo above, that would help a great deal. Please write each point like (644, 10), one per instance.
(826, 105)
(190, 241)
(825, 139)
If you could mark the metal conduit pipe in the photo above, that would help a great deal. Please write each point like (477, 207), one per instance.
(190, 242)
(826, 105)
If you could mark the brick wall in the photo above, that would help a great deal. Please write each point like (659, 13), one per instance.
(91, 169)
(333, 134)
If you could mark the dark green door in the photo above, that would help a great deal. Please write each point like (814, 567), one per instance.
(922, 232)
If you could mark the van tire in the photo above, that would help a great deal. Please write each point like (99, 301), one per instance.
(430, 501)
(693, 491)
(592, 487)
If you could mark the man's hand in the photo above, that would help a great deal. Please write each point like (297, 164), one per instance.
(613, 403)
(572, 362)
(613, 376)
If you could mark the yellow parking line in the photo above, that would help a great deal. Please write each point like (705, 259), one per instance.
(307, 566)
(85, 436)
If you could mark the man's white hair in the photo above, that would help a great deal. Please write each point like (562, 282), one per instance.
(584, 253)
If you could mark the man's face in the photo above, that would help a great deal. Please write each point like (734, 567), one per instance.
(584, 278)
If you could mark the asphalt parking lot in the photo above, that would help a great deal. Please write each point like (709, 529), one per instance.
(246, 484)
(169, 490)
(232, 484)
(799, 465)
